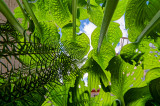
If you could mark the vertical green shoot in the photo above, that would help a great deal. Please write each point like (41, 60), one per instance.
(22, 9)
(88, 4)
(74, 16)
(30, 12)
(8, 14)
(108, 13)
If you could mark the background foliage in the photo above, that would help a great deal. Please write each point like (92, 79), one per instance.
(41, 67)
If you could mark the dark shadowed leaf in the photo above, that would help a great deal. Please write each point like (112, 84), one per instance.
(137, 96)
(154, 88)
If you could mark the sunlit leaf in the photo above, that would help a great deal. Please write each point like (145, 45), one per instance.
(153, 74)
(82, 14)
(112, 37)
(95, 72)
(53, 10)
(102, 99)
(96, 15)
(50, 33)
(58, 94)
(123, 76)
(128, 51)
(31, 13)
(93, 2)
(100, 1)
(105, 55)
(151, 59)
(78, 48)
(120, 10)
(138, 14)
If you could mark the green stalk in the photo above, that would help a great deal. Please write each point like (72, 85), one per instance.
(88, 4)
(74, 16)
(122, 101)
(152, 24)
(22, 9)
(30, 12)
(8, 14)
(108, 13)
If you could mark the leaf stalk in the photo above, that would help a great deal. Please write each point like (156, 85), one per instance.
(10, 17)
(30, 12)
(108, 13)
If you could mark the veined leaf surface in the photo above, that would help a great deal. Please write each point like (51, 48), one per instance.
(123, 76)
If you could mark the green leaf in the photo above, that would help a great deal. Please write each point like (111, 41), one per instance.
(112, 37)
(95, 76)
(129, 51)
(95, 73)
(123, 76)
(151, 59)
(157, 41)
(152, 74)
(103, 99)
(82, 14)
(152, 24)
(50, 33)
(82, 3)
(30, 12)
(78, 48)
(105, 55)
(137, 96)
(53, 10)
(79, 94)
(58, 94)
(96, 15)
(19, 14)
(92, 2)
(154, 88)
(113, 34)
(120, 10)
(137, 16)
(100, 1)
(47, 102)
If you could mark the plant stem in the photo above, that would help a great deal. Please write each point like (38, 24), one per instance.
(122, 101)
(30, 12)
(22, 9)
(8, 14)
(88, 4)
(152, 24)
(74, 16)
(108, 13)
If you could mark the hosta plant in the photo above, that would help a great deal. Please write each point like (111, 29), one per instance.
(40, 66)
